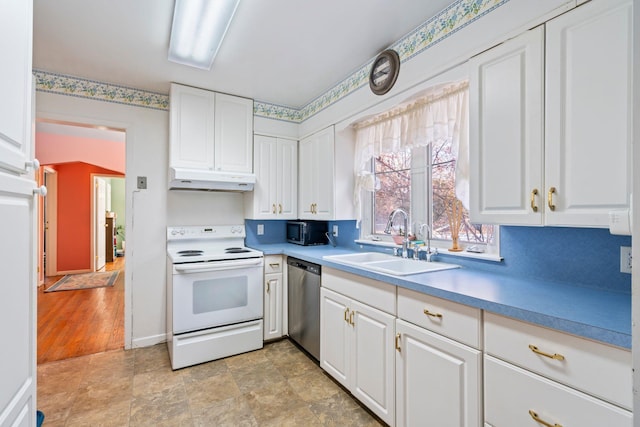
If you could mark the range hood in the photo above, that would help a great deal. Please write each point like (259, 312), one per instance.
(207, 180)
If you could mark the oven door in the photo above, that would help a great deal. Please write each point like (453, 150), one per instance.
(216, 293)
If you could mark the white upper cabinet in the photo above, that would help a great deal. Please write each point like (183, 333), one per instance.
(325, 178)
(210, 131)
(585, 170)
(276, 190)
(589, 113)
(506, 130)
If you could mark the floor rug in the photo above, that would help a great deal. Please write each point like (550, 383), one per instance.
(72, 282)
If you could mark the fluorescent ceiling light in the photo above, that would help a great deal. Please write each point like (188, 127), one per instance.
(198, 29)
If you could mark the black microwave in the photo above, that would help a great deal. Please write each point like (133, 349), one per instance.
(307, 232)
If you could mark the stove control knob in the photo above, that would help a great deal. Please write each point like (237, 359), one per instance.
(182, 231)
(174, 232)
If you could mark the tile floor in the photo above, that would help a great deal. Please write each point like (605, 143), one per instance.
(276, 386)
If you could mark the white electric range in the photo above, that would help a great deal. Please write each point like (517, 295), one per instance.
(214, 294)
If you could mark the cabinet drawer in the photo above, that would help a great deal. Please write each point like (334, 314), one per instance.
(598, 369)
(273, 264)
(511, 392)
(453, 320)
(377, 294)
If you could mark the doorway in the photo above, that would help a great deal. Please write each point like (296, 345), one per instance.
(76, 157)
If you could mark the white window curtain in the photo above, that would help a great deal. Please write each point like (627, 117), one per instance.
(435, 117)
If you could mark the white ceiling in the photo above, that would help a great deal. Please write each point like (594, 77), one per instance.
(284, 52)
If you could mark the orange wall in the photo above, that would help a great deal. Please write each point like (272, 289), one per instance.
(74, 214)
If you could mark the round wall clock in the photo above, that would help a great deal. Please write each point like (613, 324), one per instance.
(384, 72)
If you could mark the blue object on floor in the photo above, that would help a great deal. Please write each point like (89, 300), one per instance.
(39, 418)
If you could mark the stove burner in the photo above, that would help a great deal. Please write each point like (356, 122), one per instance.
(236, 250)
(190, 253)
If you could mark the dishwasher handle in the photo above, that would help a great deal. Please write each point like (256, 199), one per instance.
(304, 265)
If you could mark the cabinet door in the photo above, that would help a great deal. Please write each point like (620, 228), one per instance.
(265, 189)
(506, 131)
(287, 179)
(335, 332)
(272, 306)
(589, 112)
(373, 360)
(437, 379)
(316, 176)
(233, 134)
(191, 127)
(307, 187)
(324, 174)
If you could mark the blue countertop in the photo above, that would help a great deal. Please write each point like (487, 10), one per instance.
(587, 312)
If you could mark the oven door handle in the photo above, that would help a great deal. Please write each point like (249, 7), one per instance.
(218, 265)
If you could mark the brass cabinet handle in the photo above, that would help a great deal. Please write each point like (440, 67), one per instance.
(398, 336)
(552, 190)
(268, 289)
(273, 208)
(351, 322)
(554, 356)
(534, 193)
(346, 315)
(274, 264)
(279, 207)
(428, 313)
(541, 421)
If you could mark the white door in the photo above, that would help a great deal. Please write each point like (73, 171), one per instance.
(272, 306)
(100, 187)
(287, 185)
(589, 113)
(506, 131)
(335, 332)
(373, 360)
(233, 134)
(437, 379)
(18, 213)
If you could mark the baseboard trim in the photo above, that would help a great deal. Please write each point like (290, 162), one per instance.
(148, 341)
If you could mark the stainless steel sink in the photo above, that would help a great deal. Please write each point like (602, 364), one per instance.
(388, 264)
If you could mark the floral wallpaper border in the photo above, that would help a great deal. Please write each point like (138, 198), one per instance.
(83, 88)
(455, 17)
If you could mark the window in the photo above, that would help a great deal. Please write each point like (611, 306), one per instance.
(421, 181)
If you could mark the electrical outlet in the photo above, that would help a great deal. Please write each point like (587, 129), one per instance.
(260, 229)
(625, 259)
(142, 183)
(335, 231)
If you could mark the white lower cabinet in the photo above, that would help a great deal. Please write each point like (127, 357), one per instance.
(356, 348)
(273, 297)
(536, 376)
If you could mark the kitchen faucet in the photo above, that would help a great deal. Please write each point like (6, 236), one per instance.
(428, 251)
(387, 229)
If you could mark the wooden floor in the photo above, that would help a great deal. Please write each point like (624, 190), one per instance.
(82, 322)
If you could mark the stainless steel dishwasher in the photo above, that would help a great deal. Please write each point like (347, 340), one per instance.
(304, 304)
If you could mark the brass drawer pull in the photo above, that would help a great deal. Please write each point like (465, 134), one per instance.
(274, 264)
(351, 318)
(398, 336)
(554, 356)
(541, 421)
(428, 313)
(550, 194)
(534, 193)
(346, 315)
